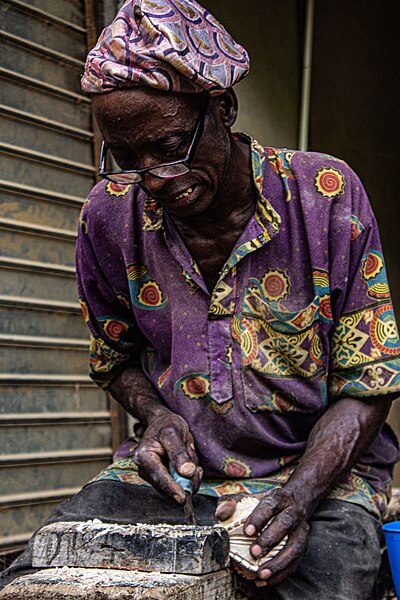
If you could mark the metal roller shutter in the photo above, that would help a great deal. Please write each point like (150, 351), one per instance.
(55, 427)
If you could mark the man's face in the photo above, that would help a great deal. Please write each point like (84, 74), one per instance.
(144, 127)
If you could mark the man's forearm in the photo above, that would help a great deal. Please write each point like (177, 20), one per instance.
(338, 440)
(136, 394)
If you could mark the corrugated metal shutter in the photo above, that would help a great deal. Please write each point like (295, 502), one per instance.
(55, 430)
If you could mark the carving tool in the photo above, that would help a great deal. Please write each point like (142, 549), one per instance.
(186, 485)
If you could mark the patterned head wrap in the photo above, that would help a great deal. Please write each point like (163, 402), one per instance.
(171, 45)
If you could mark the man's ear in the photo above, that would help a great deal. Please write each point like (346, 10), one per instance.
(227, 105)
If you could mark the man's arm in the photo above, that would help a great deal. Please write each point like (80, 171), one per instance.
(337, 441)
(166, 438)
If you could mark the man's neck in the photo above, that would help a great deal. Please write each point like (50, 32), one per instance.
(211, 236)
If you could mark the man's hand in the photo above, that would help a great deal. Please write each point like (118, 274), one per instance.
(337, 441)
(288, 520)
(167, 438)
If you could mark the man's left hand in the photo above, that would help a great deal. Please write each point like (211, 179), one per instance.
(288, 520)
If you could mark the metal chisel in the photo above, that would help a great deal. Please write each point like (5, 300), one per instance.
(186, 485)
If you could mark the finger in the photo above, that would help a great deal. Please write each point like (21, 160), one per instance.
(287, 561)
(267, 508)
(225, 509)
(274, 532)
(152, 469)
(227, 504)
(178, 452)
(196, 479)
(191, 449)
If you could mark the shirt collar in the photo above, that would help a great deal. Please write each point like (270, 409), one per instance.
(266, 222)
(266, 216)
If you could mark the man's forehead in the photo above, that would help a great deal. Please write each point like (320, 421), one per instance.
(144, 103)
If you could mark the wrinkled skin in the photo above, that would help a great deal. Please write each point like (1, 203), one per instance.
(290, 520)
(168, 438)
(144, 127)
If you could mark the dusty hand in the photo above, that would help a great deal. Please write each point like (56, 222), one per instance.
(288, 520)
(167, 438)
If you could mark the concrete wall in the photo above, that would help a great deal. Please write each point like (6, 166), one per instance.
(269, 96)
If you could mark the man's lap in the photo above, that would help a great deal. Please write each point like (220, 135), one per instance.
(342, 558)
(341, 561)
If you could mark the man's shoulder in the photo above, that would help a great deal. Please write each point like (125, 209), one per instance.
(108, 200)
(108, 195)
(318, 172)
(109, 207)
(311, 160)
(301, 159)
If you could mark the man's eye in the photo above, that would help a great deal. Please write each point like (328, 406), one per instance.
(172, 147)
(125, 160)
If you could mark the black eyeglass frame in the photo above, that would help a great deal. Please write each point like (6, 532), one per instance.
(186, 160)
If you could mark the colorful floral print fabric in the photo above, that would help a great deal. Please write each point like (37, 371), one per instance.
(301, 317)
(237, 479)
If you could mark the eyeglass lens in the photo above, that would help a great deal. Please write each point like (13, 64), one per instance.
(164, 172)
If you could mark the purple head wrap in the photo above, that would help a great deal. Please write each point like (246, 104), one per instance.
(171, 45)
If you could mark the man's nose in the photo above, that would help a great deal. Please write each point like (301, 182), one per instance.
(153, 184)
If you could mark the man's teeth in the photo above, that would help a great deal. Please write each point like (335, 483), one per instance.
(184, 194)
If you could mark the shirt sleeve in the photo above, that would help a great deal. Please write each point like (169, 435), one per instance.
(365, 347)
(115, 340)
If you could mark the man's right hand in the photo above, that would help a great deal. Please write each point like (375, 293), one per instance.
(167, 439)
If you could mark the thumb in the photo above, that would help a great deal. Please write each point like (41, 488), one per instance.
(225, 509)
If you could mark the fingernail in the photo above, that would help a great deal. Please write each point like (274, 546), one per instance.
(179, 499)
(187, 469)
(256, 550)
(250, 530)
(261, 583)
(264, 574)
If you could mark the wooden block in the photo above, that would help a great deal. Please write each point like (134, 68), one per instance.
(165, 548)
(100, 584)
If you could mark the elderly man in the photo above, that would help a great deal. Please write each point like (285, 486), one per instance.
(239, 310)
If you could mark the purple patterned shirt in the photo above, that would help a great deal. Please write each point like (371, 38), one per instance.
(301, 315)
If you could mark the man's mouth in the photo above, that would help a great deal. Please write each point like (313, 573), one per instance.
(177, 201)
(182, 199)
(184, 194)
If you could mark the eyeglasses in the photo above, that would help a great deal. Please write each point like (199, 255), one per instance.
(168, 170)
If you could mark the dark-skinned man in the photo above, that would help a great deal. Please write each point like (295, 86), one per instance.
(239, 310)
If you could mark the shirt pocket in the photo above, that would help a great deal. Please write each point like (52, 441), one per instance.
(282, 358)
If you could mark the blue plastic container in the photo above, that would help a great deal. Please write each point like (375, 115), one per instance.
(392, 536)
